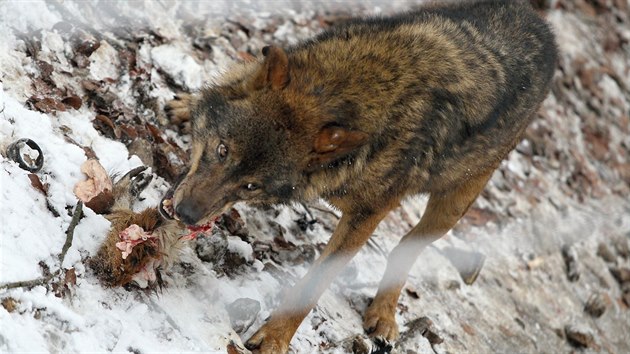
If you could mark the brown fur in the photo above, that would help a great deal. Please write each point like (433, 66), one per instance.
(108, 264)
(364, 115)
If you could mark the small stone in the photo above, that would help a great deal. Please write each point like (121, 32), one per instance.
(535, 263)
(559, 332)
(418, 326)
(452, 285)
(233, 348)
(622, 247)
(622, 275)
(63, 27)
(433, 337)
(579, 337)
(412, 292)
(360, 345)
(242, 313)
(468, 329)
(604, 252)
(570, 260)
(143, 149)
(87, 46)
(596, 305)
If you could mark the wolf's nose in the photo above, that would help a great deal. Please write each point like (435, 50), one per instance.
(188, 212)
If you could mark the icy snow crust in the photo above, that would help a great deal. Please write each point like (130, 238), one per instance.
(189, 315)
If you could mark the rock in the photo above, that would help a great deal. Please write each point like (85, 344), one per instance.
(242, 313)
(211, 249)
(579, 336)
(143, 149)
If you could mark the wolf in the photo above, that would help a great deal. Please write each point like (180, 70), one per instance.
(364, 115)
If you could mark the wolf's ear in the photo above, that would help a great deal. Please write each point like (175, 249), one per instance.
(332, 142)
(274, 72)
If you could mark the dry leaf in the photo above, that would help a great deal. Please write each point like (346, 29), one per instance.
(37, 183)
(73, 101)
(71, 277)
(10, 304)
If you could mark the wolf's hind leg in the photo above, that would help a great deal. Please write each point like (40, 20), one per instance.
(442, 213)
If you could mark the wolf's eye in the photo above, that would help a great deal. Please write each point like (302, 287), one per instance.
(222, 152)
(251, 187)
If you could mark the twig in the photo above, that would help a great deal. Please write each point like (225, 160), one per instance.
(78, 213)
(76, 217)
(28, 283)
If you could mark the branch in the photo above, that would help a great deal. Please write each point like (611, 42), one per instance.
(76, 217)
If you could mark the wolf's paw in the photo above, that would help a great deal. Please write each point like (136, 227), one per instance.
(178, 109)
(380, 324)
(271, 338)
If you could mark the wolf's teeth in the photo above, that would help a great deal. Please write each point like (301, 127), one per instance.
(167, 206)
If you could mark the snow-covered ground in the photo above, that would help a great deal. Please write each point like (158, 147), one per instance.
(559, 189)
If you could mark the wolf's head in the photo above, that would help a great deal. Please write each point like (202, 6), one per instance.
(256, 138)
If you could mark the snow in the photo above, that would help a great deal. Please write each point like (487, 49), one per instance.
(189, 314)
(104, 62)
(180, 66)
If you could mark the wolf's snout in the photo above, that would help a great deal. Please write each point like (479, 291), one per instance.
(188, 212)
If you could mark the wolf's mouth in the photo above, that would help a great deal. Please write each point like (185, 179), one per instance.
(167, 211)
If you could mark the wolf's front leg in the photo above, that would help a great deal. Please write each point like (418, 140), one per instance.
(351, 234)
(442, 213)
